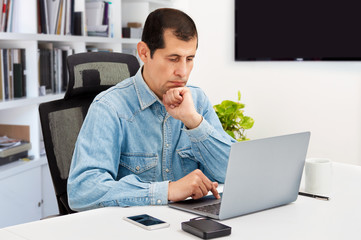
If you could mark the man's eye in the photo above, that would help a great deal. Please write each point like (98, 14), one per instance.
(173, 59)
(189, 59)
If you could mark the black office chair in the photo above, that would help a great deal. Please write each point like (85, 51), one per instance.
(61, 120)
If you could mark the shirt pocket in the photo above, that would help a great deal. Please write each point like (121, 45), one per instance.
(140, 164)
(187, 159)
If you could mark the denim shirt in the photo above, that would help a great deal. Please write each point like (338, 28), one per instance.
(129, 148)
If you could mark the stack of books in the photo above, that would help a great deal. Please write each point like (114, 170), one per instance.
(53, 70)
(12, 149)
(12, 73)
(61, 17)
(97, 18)
(133, 30)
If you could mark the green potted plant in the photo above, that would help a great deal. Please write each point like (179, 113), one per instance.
(234, 122)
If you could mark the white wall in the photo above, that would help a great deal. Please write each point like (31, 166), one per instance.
(282, 97)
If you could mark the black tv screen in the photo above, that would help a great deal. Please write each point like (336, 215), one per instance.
(307, 30)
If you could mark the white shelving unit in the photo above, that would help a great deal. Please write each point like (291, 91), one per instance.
(25, 187)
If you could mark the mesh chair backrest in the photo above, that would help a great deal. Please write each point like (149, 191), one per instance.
(94, 72)
(65, 126)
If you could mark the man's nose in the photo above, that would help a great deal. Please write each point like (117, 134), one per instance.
(181, 69)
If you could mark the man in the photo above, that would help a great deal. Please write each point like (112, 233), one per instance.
(150, 139)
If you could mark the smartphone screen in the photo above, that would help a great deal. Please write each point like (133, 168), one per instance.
(146, 221)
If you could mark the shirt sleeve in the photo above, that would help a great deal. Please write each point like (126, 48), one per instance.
(210, 143)
(93, 174)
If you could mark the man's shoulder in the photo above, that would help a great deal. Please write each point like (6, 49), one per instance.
(122, 90)
(122, 98)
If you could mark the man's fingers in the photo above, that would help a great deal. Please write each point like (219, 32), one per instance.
(195, 185)
(173, 97)
(215, 191)
(176, 95)
(207, 185)
(203, 189)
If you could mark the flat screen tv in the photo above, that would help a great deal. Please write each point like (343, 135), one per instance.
(307, 30)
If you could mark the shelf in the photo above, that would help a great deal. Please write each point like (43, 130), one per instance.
(130, 40)
(22, 102)
(150, 1)
(56, 38)
(19, 166)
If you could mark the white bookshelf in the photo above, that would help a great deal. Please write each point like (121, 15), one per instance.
(24, 111)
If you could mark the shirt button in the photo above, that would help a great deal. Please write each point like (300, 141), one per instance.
(159, 201)
(137, 168)
(167, 170)
(167, 145)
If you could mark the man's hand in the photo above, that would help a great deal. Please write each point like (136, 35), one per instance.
(179, 104)
(195, 185)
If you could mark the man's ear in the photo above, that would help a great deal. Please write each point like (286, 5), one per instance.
(143, 51)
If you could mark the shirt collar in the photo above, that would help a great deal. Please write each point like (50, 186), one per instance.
(146, 96)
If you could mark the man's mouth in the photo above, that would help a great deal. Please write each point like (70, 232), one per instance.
(178, 83)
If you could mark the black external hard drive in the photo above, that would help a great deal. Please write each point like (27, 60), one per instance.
(206, 228)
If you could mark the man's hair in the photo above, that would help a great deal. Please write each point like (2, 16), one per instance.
(182, 26)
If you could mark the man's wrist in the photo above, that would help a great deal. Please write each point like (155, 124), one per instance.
(193, 121)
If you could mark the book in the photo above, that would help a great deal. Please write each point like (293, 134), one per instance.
(23, 64)
(65, 53)
(5, 141)
(78, 23)
(1, 76)
(43, 17)
(68, 18)
(10, 150)
(72, 17)
(94, 13)
(60, 20)
(13, 157)
(5, 73)
(100, 30)
(53, 12)
(80, 18)
(4, 15)
(17, 74)
(10, 73)
(9, 16)
(21, 13)
(45, 72)
(129, 32)
(57, 70)
(18, 80)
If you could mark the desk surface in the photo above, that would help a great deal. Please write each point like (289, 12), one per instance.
(307, 218)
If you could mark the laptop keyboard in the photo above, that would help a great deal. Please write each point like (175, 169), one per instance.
(212, 208)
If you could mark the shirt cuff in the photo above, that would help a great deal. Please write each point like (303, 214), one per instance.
(199, 133)
(159, 193)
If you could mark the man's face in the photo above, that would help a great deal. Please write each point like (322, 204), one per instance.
(170, 67)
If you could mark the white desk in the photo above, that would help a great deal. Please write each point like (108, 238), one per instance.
(307, 218)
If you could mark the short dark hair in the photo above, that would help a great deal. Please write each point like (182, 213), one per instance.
(161, 19)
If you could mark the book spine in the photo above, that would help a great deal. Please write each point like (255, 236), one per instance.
(3, 20)
(23, 63)
(1, 76)
(6, 73)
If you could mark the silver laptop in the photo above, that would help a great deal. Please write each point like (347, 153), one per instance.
(261, 174)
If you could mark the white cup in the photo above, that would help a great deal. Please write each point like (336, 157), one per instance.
(318, 176)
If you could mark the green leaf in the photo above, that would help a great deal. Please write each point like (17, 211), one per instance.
(240, 105)
(231, 134)
(247, 122)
